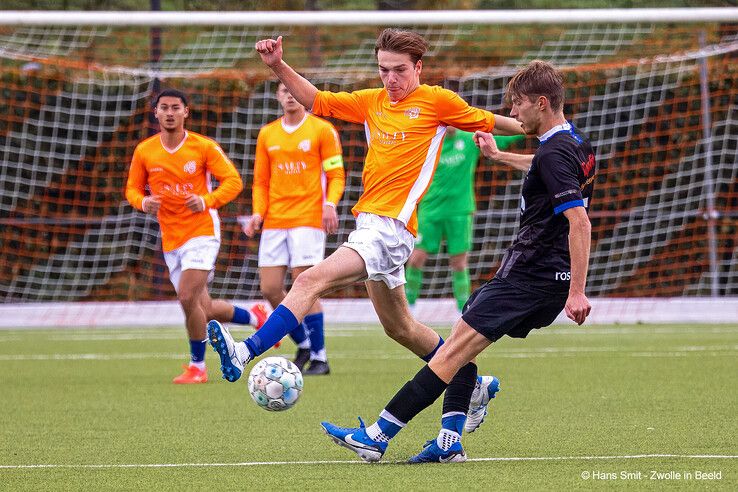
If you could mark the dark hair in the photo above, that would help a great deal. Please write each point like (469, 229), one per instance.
(539, 78)
(171, 93)
(399, 41)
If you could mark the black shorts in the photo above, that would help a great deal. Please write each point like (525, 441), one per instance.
(500, 308)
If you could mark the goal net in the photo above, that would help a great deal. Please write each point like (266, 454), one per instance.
(657, 97)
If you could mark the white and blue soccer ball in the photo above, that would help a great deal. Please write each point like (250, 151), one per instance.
(275, 384)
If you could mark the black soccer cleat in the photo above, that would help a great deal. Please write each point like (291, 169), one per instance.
(317, 368)
(301, 358)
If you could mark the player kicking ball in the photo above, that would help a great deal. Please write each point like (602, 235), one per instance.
(405, 122)
(543, 272)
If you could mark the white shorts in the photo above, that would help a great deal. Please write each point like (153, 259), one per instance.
(295, 247)
(199, 253)
(384, 244)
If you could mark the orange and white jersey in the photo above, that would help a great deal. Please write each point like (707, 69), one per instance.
(404, 141)
(297, 169)
(174, 174)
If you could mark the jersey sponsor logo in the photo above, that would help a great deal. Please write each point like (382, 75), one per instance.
(304, 145)
(587, 183)
(176, 189)
(387, 138)
(273, 148)
(290, 168)
(412, 113)
(451, 160)
(156, 170)
(190, 167)
(564, 276)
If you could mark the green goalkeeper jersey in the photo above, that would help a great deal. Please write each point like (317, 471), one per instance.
(452, 190)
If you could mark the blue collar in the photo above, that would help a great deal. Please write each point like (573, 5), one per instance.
(562, 128)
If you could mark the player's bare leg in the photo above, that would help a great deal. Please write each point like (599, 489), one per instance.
(271, 283)
(195, 301)
(341, 269)
(394, 314)
(192, 286)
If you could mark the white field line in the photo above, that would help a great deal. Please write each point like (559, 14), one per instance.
(511, 353)
(355, 462)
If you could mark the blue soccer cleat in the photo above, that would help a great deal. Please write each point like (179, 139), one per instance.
(485, 389)
(432, 453)
(232, 358)
(355, 439)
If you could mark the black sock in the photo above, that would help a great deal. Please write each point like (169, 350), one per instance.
(460, 389)
(418, 394)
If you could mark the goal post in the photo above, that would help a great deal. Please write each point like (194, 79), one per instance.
(654, 89)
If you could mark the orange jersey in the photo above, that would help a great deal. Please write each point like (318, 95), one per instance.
(296, 172)
(404, 140)
(174, 175)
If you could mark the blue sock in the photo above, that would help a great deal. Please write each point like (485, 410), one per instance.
(241, 316)
(389, 428)
(281, 322)
(197, 350)
(428, 357)
(454, 422)
(314, 323)
(299, 334)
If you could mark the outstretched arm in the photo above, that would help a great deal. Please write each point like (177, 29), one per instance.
(301, 89)
(486, 143)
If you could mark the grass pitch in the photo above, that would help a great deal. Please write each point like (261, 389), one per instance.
(579, 407)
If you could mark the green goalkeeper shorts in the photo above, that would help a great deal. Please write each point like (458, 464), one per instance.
(456, 230)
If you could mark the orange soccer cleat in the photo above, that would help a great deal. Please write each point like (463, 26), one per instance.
(261, 314)
(191, 375)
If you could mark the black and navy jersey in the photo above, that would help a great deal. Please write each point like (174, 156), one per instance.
(560, 177)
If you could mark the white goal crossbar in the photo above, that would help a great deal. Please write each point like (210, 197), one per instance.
(365, 18)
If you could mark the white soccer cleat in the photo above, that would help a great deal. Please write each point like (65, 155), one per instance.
(233, 356)
(485, 389)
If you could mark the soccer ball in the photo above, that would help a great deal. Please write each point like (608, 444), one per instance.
(275, 384)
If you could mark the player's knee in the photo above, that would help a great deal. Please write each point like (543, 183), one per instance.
(398, 332)
(271, 291)
(187, 297)
(308, 282)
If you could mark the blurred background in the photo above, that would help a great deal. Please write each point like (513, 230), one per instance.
(658, 100)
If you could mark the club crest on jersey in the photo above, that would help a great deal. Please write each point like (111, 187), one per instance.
(190, 167)
(304, 145)
(412, 113)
